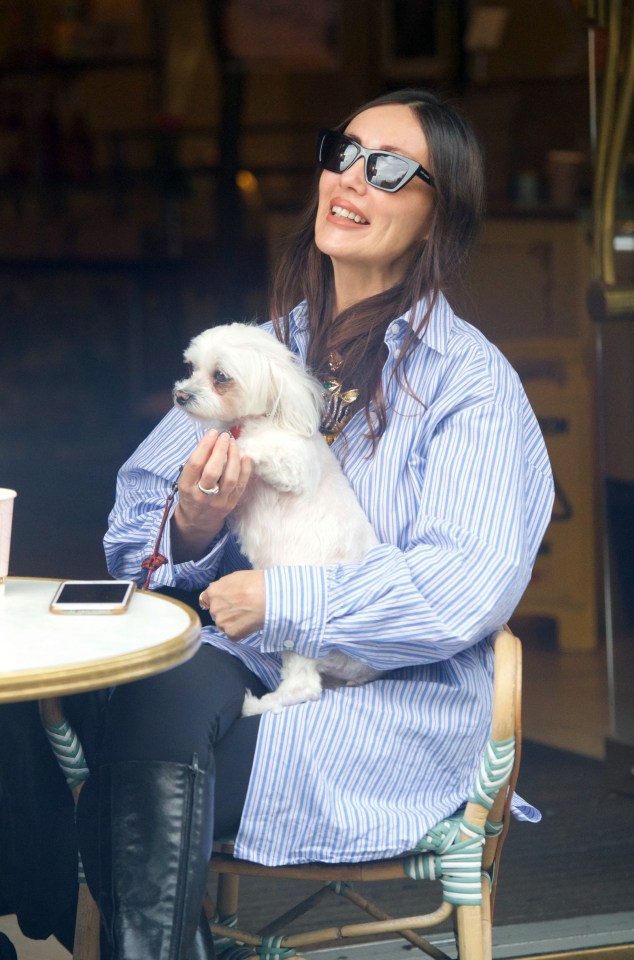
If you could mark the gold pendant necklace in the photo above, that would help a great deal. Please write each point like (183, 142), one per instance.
(337, 402)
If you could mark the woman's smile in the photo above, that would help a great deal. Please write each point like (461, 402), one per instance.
(346, 214)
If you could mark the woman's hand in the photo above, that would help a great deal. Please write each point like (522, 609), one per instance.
(237, 603)
(199, 517)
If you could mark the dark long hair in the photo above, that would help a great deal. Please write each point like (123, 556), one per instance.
(357, 333)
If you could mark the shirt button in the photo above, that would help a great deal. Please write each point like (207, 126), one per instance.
(395, 328)
(288, 644)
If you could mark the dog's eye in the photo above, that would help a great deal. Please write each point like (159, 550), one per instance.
(220, 377)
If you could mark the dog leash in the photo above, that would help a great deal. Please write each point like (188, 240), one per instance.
(156, 559)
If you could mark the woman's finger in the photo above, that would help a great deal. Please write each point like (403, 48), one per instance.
(198, 458)
(211, 473)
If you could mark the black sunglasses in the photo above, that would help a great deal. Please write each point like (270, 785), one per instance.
(383, 169)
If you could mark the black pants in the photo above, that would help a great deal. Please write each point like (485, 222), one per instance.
(193, 709)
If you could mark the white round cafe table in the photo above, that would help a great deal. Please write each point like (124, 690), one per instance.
(45, 654)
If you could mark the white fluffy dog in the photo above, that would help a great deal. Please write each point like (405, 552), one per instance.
(298, 508)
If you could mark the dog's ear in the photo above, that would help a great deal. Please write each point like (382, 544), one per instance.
(195, 350)
(296, 397)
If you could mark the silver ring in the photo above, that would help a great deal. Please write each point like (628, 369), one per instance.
(209, 493)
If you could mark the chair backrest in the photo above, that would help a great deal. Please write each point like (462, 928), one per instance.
(506, 727)
(500, 757)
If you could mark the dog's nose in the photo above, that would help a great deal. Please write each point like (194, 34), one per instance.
(181, 397)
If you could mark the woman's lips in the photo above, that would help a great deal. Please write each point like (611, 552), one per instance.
(343, 212)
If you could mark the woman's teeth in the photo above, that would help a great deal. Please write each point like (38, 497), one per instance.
(348, 214)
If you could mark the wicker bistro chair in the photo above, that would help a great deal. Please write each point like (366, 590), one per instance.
(462, 852)
(70, 756)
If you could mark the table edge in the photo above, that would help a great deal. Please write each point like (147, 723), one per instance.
(97, 674)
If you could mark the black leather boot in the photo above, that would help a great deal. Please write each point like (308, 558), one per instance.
(156, 827)
(203, 945)
(7, 950)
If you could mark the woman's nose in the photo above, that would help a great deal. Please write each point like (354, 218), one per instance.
(354, 176)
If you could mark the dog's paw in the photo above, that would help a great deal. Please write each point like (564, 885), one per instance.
(276, 701)
(288, 475)
(283, 462)
(255, 706)
(251, 706)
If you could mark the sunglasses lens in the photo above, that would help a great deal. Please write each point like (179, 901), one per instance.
(386, 171)
(337, 153)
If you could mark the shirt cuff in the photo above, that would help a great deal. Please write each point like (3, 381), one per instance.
(192, 571)
(296, 610)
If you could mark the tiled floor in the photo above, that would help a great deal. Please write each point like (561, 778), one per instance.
(32, 949)
(565, 701)
(565, 706)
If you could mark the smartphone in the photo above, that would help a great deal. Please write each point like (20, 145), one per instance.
(92, 596)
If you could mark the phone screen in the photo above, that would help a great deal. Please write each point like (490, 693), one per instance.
(92, 596)
(93, 593)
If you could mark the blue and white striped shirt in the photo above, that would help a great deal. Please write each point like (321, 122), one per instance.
(459, 491)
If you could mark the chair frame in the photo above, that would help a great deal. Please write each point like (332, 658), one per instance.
(485, 816)
(481, 827)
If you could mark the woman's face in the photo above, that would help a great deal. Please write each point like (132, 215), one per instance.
(377, 247)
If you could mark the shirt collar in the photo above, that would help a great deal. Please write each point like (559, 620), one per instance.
(437, 331)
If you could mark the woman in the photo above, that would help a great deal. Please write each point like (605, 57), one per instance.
(447, 460)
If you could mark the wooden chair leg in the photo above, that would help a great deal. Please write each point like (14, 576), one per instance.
(487, 919)
(87, 926)
(227, 897)
(469, 931)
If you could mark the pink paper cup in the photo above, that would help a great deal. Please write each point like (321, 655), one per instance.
(6, 518)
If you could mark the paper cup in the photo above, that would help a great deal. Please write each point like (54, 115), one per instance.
(6, 517)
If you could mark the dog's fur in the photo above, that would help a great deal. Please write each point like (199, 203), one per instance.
(298, 508)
